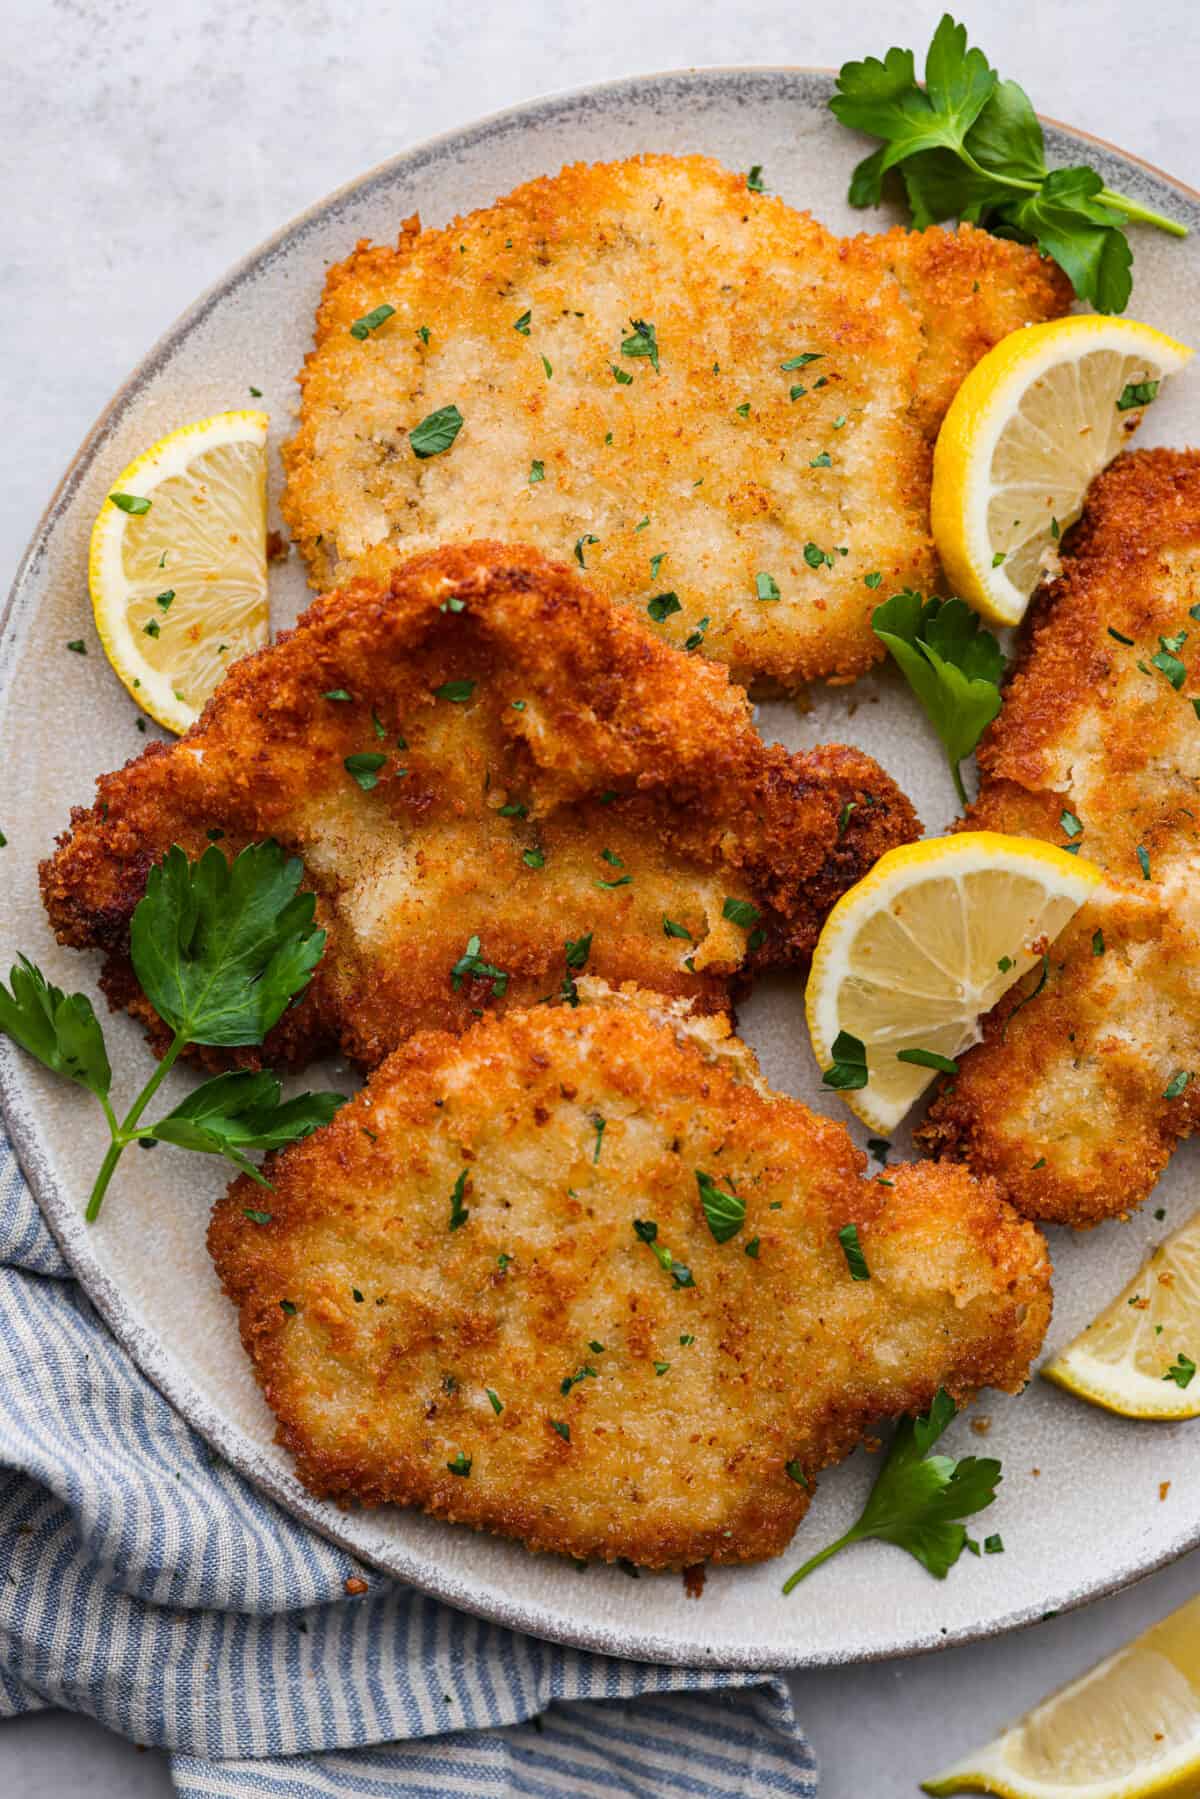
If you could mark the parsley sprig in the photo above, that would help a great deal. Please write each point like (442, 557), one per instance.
(918, 1498)
(970, 146)
(952, 665)
(220, 948)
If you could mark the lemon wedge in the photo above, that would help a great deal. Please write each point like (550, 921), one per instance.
(913, 955)
(178, 564)
(1036, 419)
(1140, 1356)
(1128, 1729)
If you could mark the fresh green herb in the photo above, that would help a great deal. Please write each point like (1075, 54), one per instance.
(872, 580)
(457, 692)
(256, 392)
(1177, 1083)
(522, 324)
(1137, 393)
(503, 1260)
(537, 472)
(643, 341)
(927, 1058)
(219, 950)
(549, 370)
(970, 146)
(364, 766)
(621, 881)
(573, 1380)
(797, 393)
(766, 587)
(472, 963)
(993, 1545)
(596, 1348)
(952, 665)
(742, 912)
(1120, 636)
(151, 628)
(918, 1498)
(795, 1472)
(77, 644)
(1097, 943)
(752, 1249)
(824, 460)
(816, 557)
(686, 1339)
(743, 411)
(131, 502)
(848, 1070)
(1143, 862)
(662, 606)
(599, 1125)
(612, 858)
(1004, 964)
(534, 858)
(671, 929)
(696, 637)
(1181, 1370)
(856, 1261)
(576, 950)
(646, 1231)
(1168, 663)
(802, 361)
(371, 321)
(656, 563)
(564, 1430)
(286, 1305)
(845, 815)
(249, 1212)
(423, 333)
(581, 544)
(662, 1367)
(1070, 824)
(461, 1465)
(754, 180)
(1055, 530)
(725, 1212)
(494, 1400)
(337, 693)
(458, 1212)
(164, 599)
(625, 379)
(436, 432)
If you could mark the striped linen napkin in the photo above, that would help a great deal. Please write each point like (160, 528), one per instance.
(145, 1583)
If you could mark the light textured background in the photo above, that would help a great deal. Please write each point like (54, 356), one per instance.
(148, 147)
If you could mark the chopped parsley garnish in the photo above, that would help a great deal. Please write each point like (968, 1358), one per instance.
(612, 858)
(1120, 636)
(364, 766)
(537, 472)
(337, 693)
(848, 1070)
(646, 1231)
(472, 963)
(802, 361)
(1097, 943)
(824, 460)
(752, 1249)
(1181, 1371)
(873, 579)
(581, 544)
(288, 1306)
(754, 180)
(621, 881)
(852, 1249)
(423, 333)
(662, 606)
(164, 599)
(743, 411)
(952, 665)
(576, 950)
(917, 1498)
(436, 432)
(596, 1348)
(927, 1058)
(1177, 1083)
(816, 557)
(573, 1380)
(494, 1400)
(564, 1430)
(134, 503)
(256, 393)
(845, 815)
(77, 644)
(458, 1212)
(671, 929)
(740, 912)
(656, 563)
(249, 1212)
(547, 366)
(371, 321)
(377, 725)
(151, 628)
(1143, 862)
(642, 341)
(624, 377)
(522, 324)
(534, 858)
(725, 1212)
(1137, 393)
(795, 1472)
(457, 692)
(599, 1125)
(696, 637)
(1070, 824)
(993, 1545)
(662, 1367)
(766, 587)
(461, 1465)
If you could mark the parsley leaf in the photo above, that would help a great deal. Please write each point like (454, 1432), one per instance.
(856, 1261)
(969, 145)
(725, 1212)
(436, 432)
(241, 1110)
(918, 1498)
(364, 767)
(370, 321)
(471, 963)
(61, 1030)
(952, 665)
(1181, 1370)
(662, 606)
(848, 1071)
(643, 341)
(458, 1212)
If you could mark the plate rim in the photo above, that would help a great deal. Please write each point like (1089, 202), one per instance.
(152, 1358)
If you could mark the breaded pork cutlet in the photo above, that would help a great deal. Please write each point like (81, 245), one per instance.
(495, 779)
(721, 408)
(1075, 1100)
(490, 1289)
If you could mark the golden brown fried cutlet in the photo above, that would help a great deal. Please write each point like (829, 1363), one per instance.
(454, 1304)
(1065, 1101)
(483, 750)
(783, 442)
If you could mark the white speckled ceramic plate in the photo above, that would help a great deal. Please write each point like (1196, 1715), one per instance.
(1079, 1508)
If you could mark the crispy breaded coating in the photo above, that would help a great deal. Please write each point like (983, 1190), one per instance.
(482, 750)
(700, 389)
(454, 1304)
(1075, 1101)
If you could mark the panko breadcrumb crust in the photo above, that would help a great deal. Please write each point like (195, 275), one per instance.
(535, 769)
(786, 432)
(1066, 1100)
(590, 1403)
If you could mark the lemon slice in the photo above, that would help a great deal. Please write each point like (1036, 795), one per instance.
(1128, 1729)
(1122, 1361)
(179, 585)
(913, 955)
(1029, 428)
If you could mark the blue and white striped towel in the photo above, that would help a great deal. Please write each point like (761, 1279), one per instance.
(143, 1582)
